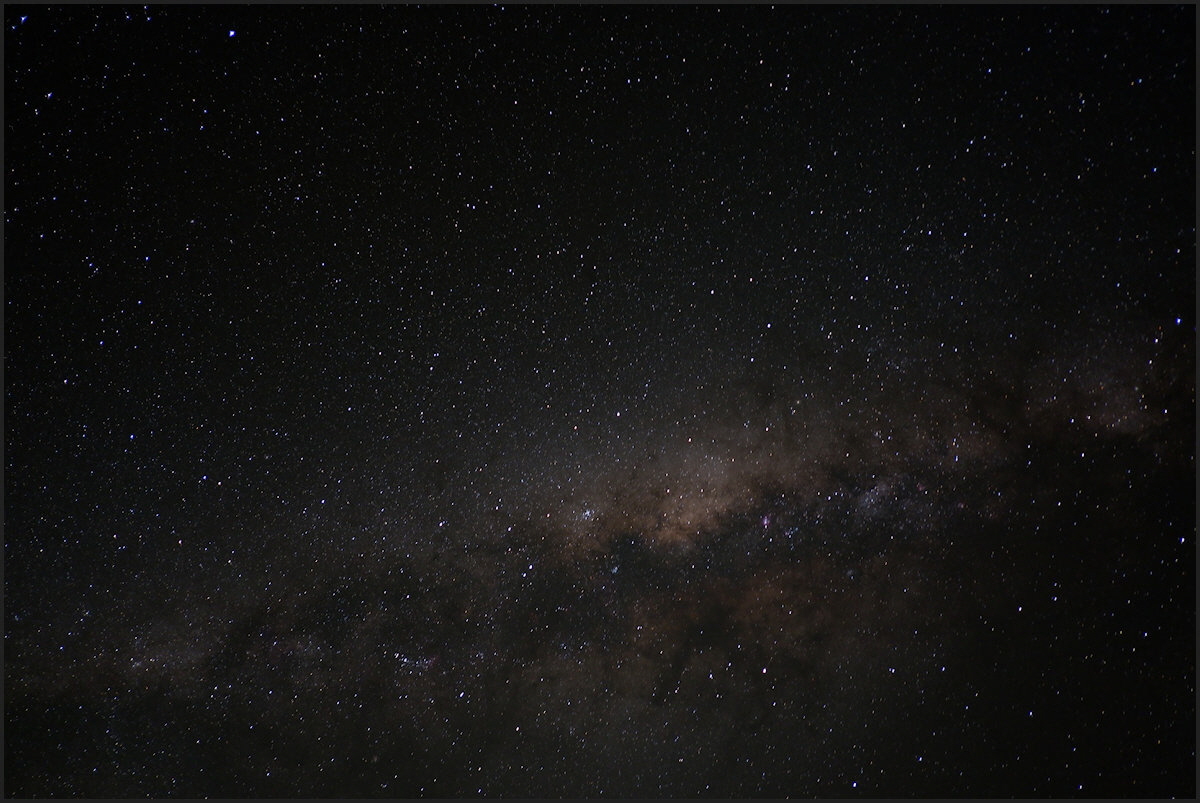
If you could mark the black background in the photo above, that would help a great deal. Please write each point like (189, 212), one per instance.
(595, 401)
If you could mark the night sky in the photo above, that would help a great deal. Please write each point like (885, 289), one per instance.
(599, 401)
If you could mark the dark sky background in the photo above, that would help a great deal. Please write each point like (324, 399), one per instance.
(594, 401)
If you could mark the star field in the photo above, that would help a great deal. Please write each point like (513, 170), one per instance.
(489, 401)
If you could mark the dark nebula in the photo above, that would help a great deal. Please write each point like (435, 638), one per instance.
(600, 401)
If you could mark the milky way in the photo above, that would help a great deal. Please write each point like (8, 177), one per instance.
(537, 402)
